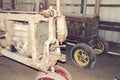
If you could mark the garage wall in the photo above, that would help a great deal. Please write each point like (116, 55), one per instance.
(19, 4)
(5, 5)
(110, 14)
(73, 6)
(109, 11)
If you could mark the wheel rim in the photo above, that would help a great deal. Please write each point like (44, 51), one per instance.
(62, 72)
(81, 57)
(99, 48)
(46, 78)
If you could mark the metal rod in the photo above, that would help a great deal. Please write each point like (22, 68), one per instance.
(97, 7)
(58, 7)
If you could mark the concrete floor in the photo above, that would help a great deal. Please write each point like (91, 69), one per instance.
(106, 68)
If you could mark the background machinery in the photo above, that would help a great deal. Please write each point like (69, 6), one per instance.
(84, 33)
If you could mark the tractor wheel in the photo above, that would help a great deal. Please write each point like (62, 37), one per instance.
(62, 71)
(83, 56)
(50, 76)
(99, 45)
(59, 74)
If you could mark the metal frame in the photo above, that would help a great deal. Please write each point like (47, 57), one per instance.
(21, 33)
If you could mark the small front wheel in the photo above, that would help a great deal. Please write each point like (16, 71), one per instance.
(82, 55)
(49, 76)
(99, 45)
(62, 71)
(59, 74)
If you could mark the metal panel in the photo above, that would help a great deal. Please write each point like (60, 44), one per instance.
(110, 35)
(118, 40)
(110, 1)
(110, 14)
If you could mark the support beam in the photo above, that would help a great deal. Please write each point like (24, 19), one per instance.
(88, 5)
(97, 7)
(58, 7)
(37, 5)
(12, 4)
(83, 7)
(0, 4)
(45, 3)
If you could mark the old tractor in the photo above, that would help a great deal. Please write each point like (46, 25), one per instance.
(32, 38)
(83, 34)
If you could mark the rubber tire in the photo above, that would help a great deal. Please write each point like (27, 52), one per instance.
(104, 42)
(90, 52)
(62, 71)
(66, 73)
(49, 76)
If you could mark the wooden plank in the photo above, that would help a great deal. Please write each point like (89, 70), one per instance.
(53, 4)
(109, 28)
(29, 3)
(97, 7)
(89, 5)
(110, 23)
(112, 26)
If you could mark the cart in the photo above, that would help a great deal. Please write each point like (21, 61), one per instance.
(32, 38)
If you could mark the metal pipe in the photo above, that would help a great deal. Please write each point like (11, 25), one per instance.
(58, 7)
(114, 53)
(97, 7)
(52, 34)
(83, 7)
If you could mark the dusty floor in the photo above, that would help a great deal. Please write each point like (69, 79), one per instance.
(106, 68)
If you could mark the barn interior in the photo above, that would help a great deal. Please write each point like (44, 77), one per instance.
(87, 33)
